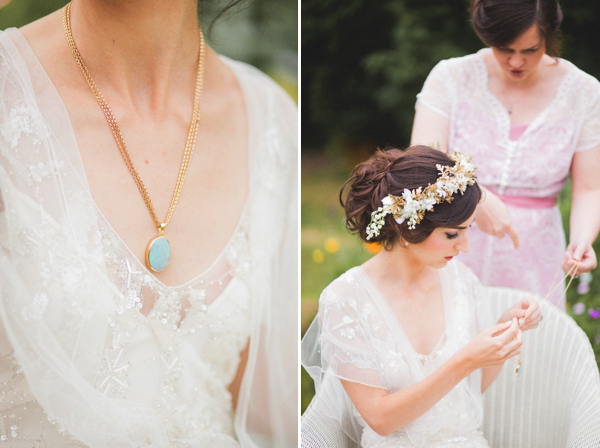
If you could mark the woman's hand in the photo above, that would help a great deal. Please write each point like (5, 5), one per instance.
(527, 312)
(492, 217)
(492, 347)
(581, 253)
(585, 213)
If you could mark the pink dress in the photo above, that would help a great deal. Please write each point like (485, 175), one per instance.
(528, 166)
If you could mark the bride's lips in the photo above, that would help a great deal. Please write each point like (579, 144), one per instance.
(517, 72)
(449, 258)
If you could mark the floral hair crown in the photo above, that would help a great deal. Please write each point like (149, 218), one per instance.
(412, 205)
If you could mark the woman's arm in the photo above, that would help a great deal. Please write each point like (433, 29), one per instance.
(386, 413)
(585, 211)
(492, 217)
(430, 128)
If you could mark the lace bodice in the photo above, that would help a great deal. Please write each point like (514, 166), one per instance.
(362, 341)
(538, 163)
(94, 350)
(175, 349)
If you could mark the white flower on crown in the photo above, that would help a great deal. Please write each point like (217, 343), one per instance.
(412, 205)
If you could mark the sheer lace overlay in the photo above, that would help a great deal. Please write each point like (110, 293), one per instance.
(94, 350)
(534, 165)
(357, 337)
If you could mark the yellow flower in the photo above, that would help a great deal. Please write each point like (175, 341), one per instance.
(318, 256)
(374, 248)
(332, 245)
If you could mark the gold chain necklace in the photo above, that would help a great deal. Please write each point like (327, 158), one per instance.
(158, 250)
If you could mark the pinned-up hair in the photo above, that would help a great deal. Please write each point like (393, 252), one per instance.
(390, 172)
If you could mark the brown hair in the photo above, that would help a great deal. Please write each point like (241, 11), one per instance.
(498, 23)
(390, 172)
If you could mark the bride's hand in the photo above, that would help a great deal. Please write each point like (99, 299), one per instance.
(492, 217)
(526, 311)
(495, 345)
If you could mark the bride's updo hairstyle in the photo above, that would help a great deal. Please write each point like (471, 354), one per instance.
(390, 172)
(498, 23)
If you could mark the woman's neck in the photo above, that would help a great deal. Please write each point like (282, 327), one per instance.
(398, 266)
(140, 49)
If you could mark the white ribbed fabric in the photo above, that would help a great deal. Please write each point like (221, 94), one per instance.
(556, 400)
(318, 430)
(555, 403)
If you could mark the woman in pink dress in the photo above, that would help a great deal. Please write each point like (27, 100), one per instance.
(529, 118)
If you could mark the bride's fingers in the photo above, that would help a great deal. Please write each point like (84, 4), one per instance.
(513, 348)
(512, 354)
(498, 328)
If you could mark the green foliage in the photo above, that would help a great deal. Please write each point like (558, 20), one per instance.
(364, 62)
(20, 12)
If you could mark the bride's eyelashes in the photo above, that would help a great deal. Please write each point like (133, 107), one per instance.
(451, 236)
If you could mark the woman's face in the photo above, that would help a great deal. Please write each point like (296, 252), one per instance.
(442, 245)
(519, 61)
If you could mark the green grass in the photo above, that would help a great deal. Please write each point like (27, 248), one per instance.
(323, 227)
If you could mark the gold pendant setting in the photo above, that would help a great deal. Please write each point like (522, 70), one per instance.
(519, 368)
(158, 253)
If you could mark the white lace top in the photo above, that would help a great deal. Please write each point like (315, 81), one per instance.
(357, 337)
(535, 165)
(94, 350)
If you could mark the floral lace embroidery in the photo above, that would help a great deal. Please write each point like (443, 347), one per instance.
(24, 120)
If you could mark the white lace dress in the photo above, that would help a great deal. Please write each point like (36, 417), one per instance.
(357, 337)
(94, 350)
(535, 165)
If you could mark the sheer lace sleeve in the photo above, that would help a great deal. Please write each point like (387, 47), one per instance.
(345, 345)
(337, 345)
(438, 90)
(589, 136)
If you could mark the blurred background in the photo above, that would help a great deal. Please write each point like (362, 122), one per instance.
(263, 33)
(363, 62)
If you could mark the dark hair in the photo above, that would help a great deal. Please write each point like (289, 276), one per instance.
(498, 23)
(390, 172)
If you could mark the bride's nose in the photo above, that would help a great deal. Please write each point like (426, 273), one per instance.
(462, 244)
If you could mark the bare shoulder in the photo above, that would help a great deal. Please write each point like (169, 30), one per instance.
(46, 37)
(555, 68)
(43, 34)
(222, 85)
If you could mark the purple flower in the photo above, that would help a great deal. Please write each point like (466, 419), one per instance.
(594, 314)
(583, 288)
(578, 308)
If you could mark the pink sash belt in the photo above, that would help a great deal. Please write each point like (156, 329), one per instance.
(527, 201)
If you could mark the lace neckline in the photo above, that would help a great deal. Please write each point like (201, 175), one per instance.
(383, 305)
(241, 224)
(22, 43)
(498, 108)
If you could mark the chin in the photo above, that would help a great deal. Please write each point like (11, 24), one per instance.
(439, 264)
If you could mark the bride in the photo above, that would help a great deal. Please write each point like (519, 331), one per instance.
(147, 236)
(407, 336)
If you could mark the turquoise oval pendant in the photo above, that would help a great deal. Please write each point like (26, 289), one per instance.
(158, 253)
(518, 369)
